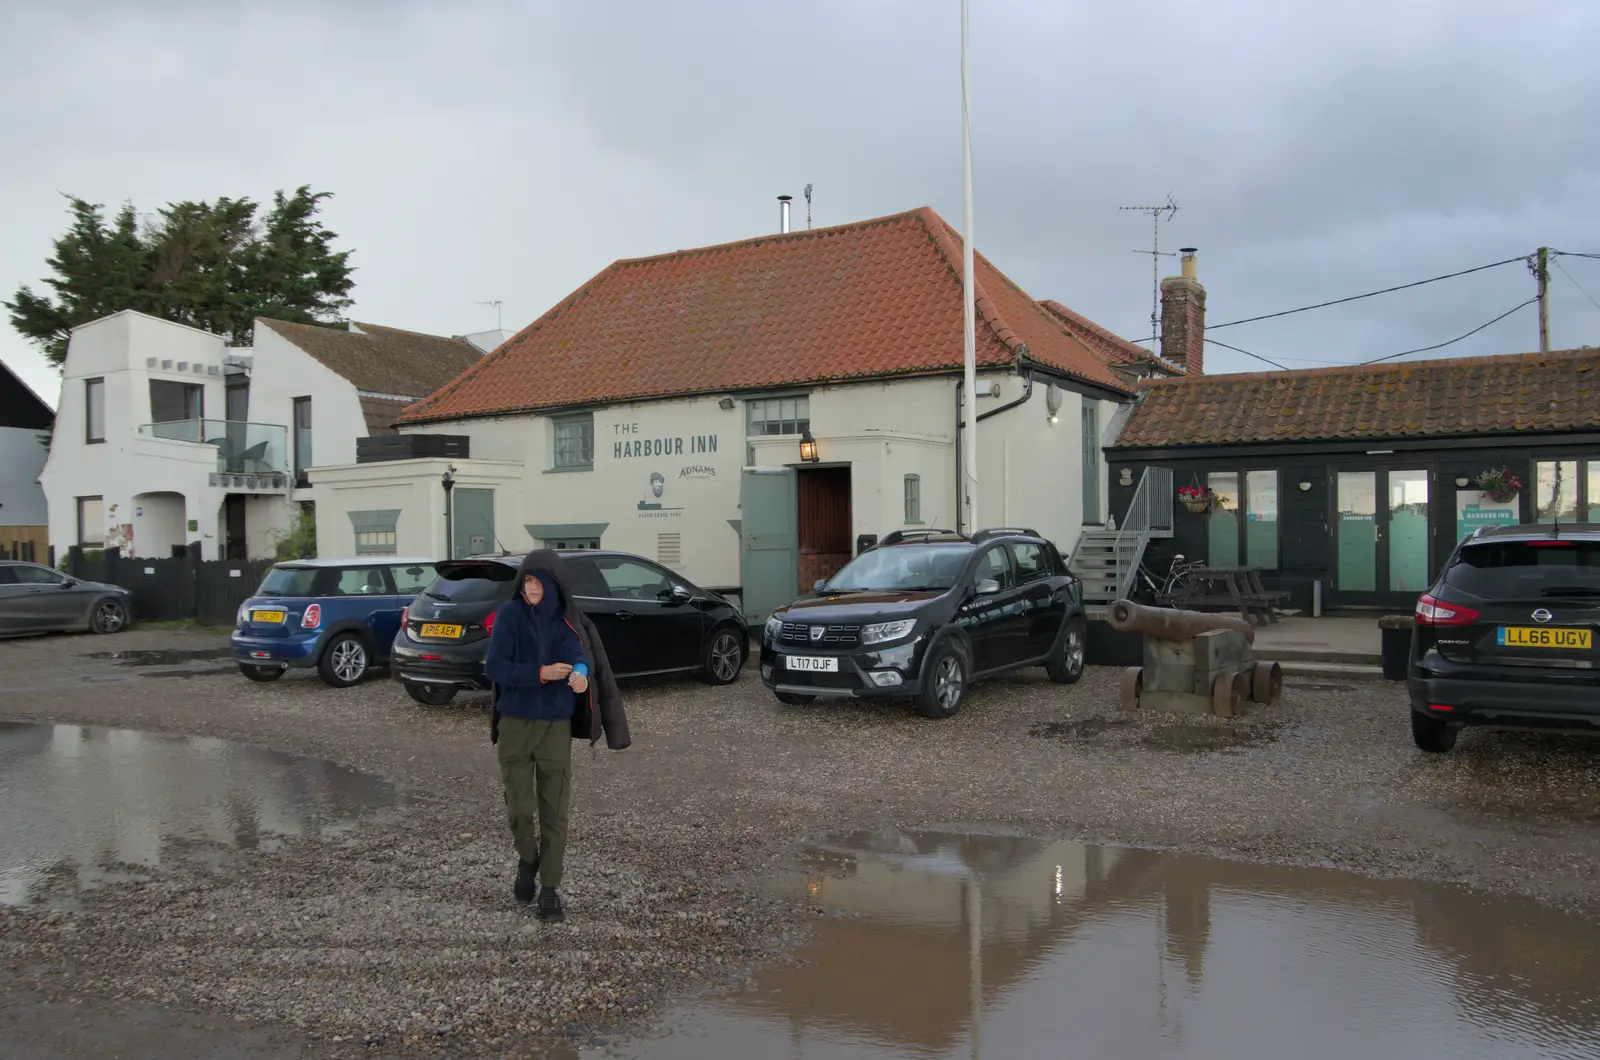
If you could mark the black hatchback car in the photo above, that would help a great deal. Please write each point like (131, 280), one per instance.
(1507, 637)
(922, 615)
(650, 620)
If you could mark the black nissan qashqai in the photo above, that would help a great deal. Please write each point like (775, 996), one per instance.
(924, 614)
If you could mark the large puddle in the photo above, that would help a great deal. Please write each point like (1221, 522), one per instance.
(949, 946)
(83, 806)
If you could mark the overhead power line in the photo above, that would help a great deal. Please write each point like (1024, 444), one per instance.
(1576, 284)
(1247, 353)
(1572, 254)
(1371, 294)
(1458, 338)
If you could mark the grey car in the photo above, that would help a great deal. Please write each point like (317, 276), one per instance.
(35, 599)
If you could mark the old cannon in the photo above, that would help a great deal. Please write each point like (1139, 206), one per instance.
(1193, 662)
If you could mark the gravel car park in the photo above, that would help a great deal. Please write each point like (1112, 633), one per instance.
(396, 938)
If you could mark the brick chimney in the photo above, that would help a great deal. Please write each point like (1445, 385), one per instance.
(1183, 318)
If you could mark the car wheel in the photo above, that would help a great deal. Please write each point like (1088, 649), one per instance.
(109, 616)
(794, 699)
(724, 657)
(1431, 734)
(944, 683)
(432, 695)
(261, 673)
(1065, 664)
(344, 662)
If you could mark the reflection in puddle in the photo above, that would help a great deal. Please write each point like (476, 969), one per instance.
(971, 945)
(81, 807)
(160, 657)
(1177, 737)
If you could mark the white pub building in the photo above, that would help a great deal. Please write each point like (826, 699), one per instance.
(749, 414)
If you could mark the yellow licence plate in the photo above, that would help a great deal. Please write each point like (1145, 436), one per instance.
(438, 629)
(1536, 637)
(267, 616)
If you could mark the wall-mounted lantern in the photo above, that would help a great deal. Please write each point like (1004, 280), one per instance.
(808, 447)
(1462, 482)
(1305, 485)
(726, 404)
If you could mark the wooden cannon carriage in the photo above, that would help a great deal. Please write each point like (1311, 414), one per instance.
(1194, 663)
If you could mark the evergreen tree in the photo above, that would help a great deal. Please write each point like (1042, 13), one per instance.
(213, 266)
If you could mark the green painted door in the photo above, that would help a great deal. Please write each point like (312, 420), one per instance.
(1409, 569)
(769, 540)
(474, 519)
(1384, 526)
(1357, 513)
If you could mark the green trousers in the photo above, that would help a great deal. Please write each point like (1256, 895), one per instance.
(536, 767)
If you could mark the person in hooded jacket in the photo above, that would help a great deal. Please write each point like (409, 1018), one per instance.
(552, 684)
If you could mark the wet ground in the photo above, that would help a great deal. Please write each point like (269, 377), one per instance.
(400, 939)
(84, 807)
(933, 944)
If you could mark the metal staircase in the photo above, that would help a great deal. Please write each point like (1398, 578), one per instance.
(1107, 561)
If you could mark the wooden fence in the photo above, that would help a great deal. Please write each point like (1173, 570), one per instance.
(208, 592)
(28, 543)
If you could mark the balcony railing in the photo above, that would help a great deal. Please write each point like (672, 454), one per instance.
(242, 448)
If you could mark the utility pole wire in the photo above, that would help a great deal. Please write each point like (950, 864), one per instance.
(1247, 353)
(1458, 338)
(1572, 254)
(1575, 283)
(1369, 294)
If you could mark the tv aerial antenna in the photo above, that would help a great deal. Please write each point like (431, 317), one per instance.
(1169, 208)
(496, 303)
(808, 206)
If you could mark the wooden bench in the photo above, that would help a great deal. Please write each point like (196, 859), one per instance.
(1237, 587)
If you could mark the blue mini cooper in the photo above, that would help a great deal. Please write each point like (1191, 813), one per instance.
(338, 615)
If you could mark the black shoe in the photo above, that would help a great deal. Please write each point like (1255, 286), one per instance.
(527, 884)
(550, 906)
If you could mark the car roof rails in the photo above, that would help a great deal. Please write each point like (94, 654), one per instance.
(989, 533)
(895, 537)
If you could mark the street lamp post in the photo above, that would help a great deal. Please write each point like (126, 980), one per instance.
(448, 481)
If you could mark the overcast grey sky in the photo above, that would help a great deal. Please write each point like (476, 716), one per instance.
(483, 149)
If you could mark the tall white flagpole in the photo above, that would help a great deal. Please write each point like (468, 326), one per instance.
(969, 309)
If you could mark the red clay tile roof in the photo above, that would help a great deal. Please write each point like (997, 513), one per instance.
(1109, 347)
(1443, 398)
(866, 300)
(382, 361)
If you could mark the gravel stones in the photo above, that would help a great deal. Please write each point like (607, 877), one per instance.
(400, 936)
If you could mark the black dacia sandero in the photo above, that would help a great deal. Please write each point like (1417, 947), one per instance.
(924, 614)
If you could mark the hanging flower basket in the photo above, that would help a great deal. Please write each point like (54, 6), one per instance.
(1500, 485)
(1195, 498)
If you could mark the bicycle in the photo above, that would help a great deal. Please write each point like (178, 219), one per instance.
(1179, 576)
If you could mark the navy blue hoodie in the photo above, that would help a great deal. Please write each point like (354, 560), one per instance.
(524, 640)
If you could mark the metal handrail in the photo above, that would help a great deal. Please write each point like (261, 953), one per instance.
(1149, 511)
